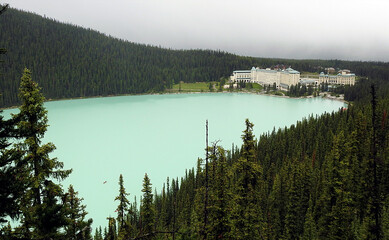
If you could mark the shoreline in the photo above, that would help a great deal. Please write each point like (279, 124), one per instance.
(196, 92)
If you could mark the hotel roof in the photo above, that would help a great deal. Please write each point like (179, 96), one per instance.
(286, 71)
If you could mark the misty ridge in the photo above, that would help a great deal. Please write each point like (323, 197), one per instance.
(300, 30)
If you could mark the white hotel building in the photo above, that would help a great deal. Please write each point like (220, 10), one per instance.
(283, 79)
(344, 77)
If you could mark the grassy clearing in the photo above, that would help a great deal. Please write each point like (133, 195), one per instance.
(310, 73)
(192, 87)
(257, 87)
(204, 87)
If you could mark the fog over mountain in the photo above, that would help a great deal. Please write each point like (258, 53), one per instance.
(342, 29)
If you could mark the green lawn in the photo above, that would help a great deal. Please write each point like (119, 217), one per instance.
(310, 74)
(257, 87)
(192, 87)
(204, 87)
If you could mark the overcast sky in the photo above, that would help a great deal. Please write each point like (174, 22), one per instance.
(325, 29)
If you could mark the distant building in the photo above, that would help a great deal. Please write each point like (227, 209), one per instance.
(330, 70)
(309, 81)
(344, 77)
(285, 78)
(282, 78)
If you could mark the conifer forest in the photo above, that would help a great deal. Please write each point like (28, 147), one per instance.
(324, 177)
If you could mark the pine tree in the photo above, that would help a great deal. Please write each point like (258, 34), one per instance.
(40, 202)
(78, 227)
(98, 234)
(147, 209)
(11, 188)
(111, 234)
(50, 215)
(123, 203)
(197, 215)
(122, 209)
(246, 211)
(298, 200)
(275, 216)
(310, 231)
(220, 196)
(385, 219)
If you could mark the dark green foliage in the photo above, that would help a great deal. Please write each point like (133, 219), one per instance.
(49, 216)
(124, 229)
(111, 234)
(77, 226)
(299, 90)
(98, 234)
(11, 186)
(11, 189)
(42, 202)
(123, 206)
(247, 174)
(220, 196)
(298, 195)
(310, 229)
(147, 209)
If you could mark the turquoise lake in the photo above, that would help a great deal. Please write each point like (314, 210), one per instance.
(161, 135)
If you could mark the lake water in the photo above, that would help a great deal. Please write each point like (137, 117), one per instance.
(161, 135)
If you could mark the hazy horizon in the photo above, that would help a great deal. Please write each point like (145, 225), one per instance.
(302, 29)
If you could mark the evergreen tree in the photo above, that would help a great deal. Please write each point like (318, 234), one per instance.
(11, 188)
(147, 209)
(133, 218)
(197, 215)
(111, 234)
(78, 227)
(122, 209)
(310, 231)
(246, 211)
(385, 219)
(41, 211)
(342, 212)
(50, 216)
(298, 195)
(276, 208)
(210, 86)
(220, 196)
(123, 203)
(11, 175)
(98, 234)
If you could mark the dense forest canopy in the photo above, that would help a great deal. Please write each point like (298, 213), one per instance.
(69, 61)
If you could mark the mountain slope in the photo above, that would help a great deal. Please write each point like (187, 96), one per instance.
(69, 61)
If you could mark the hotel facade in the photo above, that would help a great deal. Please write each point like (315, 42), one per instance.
(285, 78)
(282, 78)
(344, 77)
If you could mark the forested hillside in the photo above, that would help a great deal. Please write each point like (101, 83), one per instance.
(69, 61)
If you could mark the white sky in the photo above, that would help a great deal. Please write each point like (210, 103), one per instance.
(325, 29)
